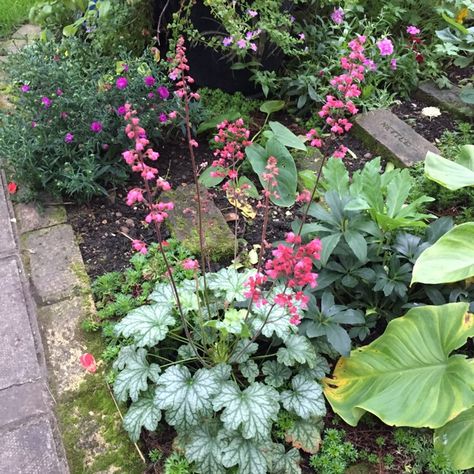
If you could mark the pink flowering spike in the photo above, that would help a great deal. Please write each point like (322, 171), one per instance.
(190, 264)
(88, 362)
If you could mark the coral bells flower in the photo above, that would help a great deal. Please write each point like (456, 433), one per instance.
(88, 362)
(149, 81)
(255, 284)
(134, 195)
(190, 264)
(158, 212)
(69, 137)
(139, 246)
(385, 47)
(121, 83)
(304, 196)
(96, 127)
(314, 137)
(12, 187)
(340, 152)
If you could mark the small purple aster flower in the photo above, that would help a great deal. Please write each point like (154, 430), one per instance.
(242, 43)
(121, 110)
(412, 30)
(227, 41)
(125, 67)
(121, 83)
(393, 64)
(301, 36)
(59, 92)
(105, 146)
(253, 46)
(46, 102)
(252, 13)
(34, 124)
(337, 16)
(25, 88)
(385, 46)
(150, 95)
(69, 137)
(149, 81)
(292, 19)
(96, 127)
(163, 92)
(163, 117)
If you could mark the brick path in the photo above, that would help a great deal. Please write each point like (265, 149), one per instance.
(29, 438)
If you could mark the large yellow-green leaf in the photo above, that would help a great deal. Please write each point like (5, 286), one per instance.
(456, 439)
(449, 260)
(407, 377)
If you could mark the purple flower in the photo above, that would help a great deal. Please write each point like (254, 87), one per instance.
(34, 124)
(371, 66)
(252, 13)
(121, 83)
(64, 115)
(125, 67)
(393, 64)
(149, 81)
(150, 95)
(96, 127)
(163, 117)
(25, 88)
(105, 146)
(337, 16)
(121, 110)
(46, 102)
(69, 137)
(301, 36)
(385, 46)
(242, 43)
(227, 41)
(412, 30)
(59, 92)
(163, 92)
(292, 19)
(253, 46)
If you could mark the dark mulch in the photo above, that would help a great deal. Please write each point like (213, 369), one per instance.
(429, 128)
(457, 74)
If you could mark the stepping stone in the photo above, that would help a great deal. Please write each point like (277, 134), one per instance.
(447, 99)
(17, 349)
(308, 166)
(392, 138)
(7, 241)
(12, 46)
(29, 217)
(21, 401)
(27, 31)
(183, 220)
(55, 263)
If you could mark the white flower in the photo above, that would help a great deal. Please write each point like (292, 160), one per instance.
(431, 112)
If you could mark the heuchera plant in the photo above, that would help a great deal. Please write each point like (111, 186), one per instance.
(219, 356)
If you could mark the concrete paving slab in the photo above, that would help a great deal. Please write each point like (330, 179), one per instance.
(7, 241)
(392, 138)
(29, 217)
(30, 449)
(28, 31)
(12, 46)
(21, 401)
(19, 363)
(55, 263)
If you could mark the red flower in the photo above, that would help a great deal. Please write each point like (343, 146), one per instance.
(12, 187)
(88, 362)
(420, 58)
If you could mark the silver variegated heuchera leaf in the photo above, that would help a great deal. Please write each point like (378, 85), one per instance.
(147, 324)
(306, 399)
(230, 283)
(298, 349)
(280, 461)
(186, 398)
(163, 295)
(249, 370)
(305, 435)
(252, 410)
(276, 374)
(245, 454)
(142, 413)
(133, 379)
(243, 350)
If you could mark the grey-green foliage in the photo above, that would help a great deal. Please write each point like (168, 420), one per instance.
(223, 405)
(372, 230)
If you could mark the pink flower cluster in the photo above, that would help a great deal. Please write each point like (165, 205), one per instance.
(231, 140)
(179, 72)
(293, 262)
(135, 158)
(347, 87)
(270, 177)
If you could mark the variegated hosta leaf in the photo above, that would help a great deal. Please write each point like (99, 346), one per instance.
(249, 370)
(306, 399)
(147, 324)
(245, 454)
(143, 412)
(163, 295)
(186, 398)
(319, 371)
(252, 409)
(305, 435)
(281, 462)
(242, 352)
(133, 379)
(276, 374)
(204, 448)
(230, 283)
(298, 350)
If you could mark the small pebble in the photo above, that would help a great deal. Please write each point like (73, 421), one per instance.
(104, 221)
(118, 214)
(124, 229)
(129, 223)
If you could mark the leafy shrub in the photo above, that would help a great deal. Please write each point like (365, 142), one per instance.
(64, 90)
